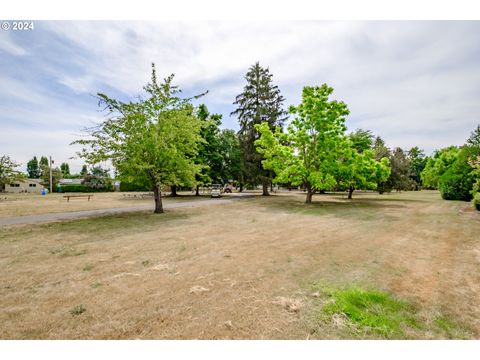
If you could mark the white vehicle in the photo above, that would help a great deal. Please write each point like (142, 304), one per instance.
(216, 190)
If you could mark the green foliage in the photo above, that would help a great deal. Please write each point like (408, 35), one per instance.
(131, 186)
(8, 174)
(260, 102)
(84, 170)
(437, 165)
(361, 140)
(400, 176)
(476, 201)
(370, 311)
(81, 188)
(43, 164)
(65, 168)
(153, 141)
(457, 181)
(56, 176)
(418, 161)
(229, 147)
(474, 139)
(209, 156)
(307, 153)
(98, 179)
(33, 168)
(358, 169)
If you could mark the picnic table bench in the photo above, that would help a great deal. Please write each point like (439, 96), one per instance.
(77, 196)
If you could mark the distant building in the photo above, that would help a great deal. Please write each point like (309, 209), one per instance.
(24, 186)
(70, 181)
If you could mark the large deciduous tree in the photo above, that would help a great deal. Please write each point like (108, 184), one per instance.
(153, 141)
(260, 102)
(418, 161)
(474, 139)
(307, 153)
(8, 174)
(229, 147)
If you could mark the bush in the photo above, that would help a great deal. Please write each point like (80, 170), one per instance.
(476, 201)
(130, 186)
(457, 182)
(80, 188)
(455, 186)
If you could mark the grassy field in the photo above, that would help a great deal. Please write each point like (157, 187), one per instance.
(393, 266)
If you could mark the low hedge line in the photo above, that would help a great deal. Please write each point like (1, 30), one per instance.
(80, 188)
(476, 201)
(127, 186)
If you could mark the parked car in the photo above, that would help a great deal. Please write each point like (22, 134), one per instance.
(216, 190)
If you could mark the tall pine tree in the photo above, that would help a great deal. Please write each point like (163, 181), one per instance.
(259, 102)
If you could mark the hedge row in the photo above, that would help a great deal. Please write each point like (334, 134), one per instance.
(80, 188)
(126, 186)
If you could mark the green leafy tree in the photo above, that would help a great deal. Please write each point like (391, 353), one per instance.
(457, 182)
(474, 139)
(362, 140)
(229, 147)
(152, 141)
(306, 154)
(358, 169)
(417, 164)
(436, 166)
(209, 156)
(399, 178)
(260, 102)
(381, 151)
(33, 168)
(43, 164)
(84, 170)
(65, 168)
(98, 179)
(8, 174)
(56, 176)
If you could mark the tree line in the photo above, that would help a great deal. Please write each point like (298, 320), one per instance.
(163, 140)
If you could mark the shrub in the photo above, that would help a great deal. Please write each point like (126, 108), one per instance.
(476, 201)
(455, 186)
(130, 186)
(81, 188)
(457, 181)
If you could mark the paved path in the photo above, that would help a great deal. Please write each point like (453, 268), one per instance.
(40, 218)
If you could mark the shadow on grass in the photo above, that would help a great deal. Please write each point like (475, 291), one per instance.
(127, 223)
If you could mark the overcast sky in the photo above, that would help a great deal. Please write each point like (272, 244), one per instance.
(412, 83)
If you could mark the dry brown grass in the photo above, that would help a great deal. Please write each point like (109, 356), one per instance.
(29, 204)
(239, 270)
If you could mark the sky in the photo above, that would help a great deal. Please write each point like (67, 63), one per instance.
(413, 83)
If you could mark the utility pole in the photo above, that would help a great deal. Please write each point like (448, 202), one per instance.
(51, 185)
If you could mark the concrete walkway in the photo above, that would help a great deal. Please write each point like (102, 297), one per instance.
(41, 218)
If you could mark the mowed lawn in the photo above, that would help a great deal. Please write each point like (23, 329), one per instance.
(378, 266)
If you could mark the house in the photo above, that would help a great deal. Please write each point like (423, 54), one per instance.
(24, 186)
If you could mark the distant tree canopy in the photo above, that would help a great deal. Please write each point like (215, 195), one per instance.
(65, 168)
(153, 141)
(33, 168)
(209, 156)
(260, 102)
(474, 139)
(8, 174)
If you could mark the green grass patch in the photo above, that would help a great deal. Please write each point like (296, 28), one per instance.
(356, 312)
(371, 311)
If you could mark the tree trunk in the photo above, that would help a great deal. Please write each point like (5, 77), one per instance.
(350, 192)
(309, 194)
(158, 200)
(241, 187)
(197, 192)
(265, 189)
(174, 190)
(271, 186)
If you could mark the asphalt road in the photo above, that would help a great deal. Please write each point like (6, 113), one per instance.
(42, 218)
